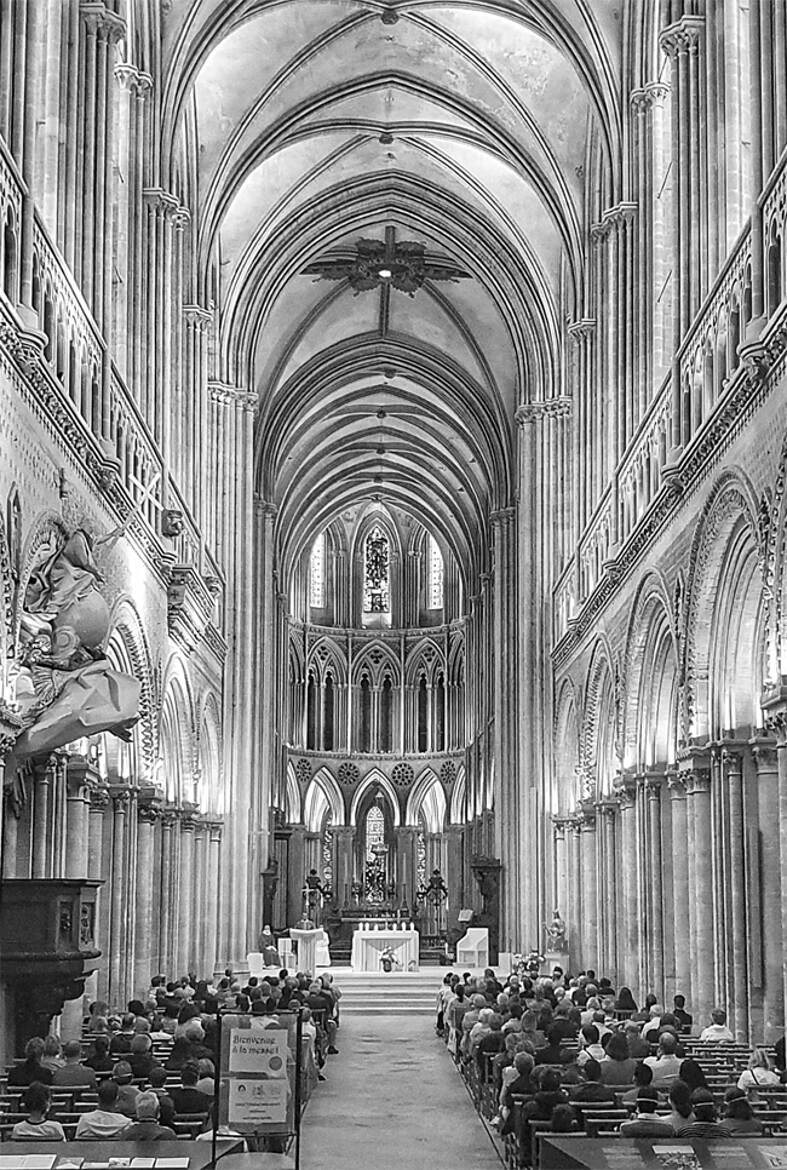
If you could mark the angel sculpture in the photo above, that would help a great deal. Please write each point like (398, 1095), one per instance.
(67, 688)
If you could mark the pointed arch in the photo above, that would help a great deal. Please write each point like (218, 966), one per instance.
(211, 795)
(293, 811)
(600, 739)
(566, 757)
(725, 616)
(427, 797)
(649, 713)
(322, 793)
(387, 663)
(459, 814)
(375, 778)
(327, 656)
(426, 659)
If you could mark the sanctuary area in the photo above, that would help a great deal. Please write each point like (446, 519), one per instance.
(393, 509)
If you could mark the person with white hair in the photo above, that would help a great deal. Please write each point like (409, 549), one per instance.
(146, 1128)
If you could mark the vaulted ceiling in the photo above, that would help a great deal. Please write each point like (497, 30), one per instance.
(461, 126)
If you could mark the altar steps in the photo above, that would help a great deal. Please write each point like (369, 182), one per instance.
(369, 993)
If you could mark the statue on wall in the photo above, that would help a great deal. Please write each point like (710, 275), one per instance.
(556, 932)
(66, 687)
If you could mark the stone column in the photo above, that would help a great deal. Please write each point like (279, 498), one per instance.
(212, 895)
(774, 704)
(589, 899)
(118, 886)
(694, 770)
(629, 902)
(10, 727)
(185, 888)
(766, 945)
(197, 954)
(575, 938)
(406, 866)
(738, 885)
(296, 876)
(148, 812)
(653, 788)
(343, 836)
(680, 886)
(507, 797)
(45, 775)
(169, 820)
(561, 863)
(80, 779)
(608, 877)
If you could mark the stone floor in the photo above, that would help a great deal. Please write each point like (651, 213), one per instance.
(393, 1101)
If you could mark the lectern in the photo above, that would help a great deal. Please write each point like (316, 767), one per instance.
(307, 948)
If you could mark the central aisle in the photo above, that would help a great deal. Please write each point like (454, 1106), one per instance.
(393, 1101)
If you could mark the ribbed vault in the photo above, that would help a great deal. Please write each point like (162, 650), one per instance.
(464, 127)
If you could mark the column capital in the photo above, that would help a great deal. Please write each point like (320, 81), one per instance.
(675, 784)
(682, 36)
(764, 754)
(196, 315)
(579, 330)
(100, 20)
(120, 796)
(170, 815)
(625, 791)
(774, 703)
(529, 412)
(11, 725)
(215, 829)
(694, 769)
(653, 94)
(501, 516)
(159, 200)
(99, 799)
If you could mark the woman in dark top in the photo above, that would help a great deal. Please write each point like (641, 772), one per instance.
(98, 1057)
(32, 1069)
(692, 1074)
(625, 1001)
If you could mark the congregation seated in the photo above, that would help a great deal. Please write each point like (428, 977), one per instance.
(36, 1127)
(645, 1122)
(158, 1079)
(146, 1127)
(105, 1122)
(617, 1064)
(141, 1056)
(760, 1072)
(681, 1113)
(98, 1058)
(121, 1041)
(126, 1101)
(73, 1072)
(705, 1124)
(739, 1117)
(666, 1064)
(717, 1030)
(31, 1069)
(591, 1088)
(187, 1098)
(685, 1020)
(53, 1053)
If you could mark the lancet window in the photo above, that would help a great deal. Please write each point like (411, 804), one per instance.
(376, 578)
(317, 574)
(435, 576)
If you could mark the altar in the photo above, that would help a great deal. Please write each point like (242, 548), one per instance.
(368, 945)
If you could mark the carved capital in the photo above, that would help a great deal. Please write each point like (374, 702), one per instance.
(99, 800)
(765, 756)
(655, 93)
(582, 329)
(683, 36)
(559, 407)
(774, 704)
(10, 729)
(501, 517)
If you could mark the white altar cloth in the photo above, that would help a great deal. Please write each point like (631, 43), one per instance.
(368, 944)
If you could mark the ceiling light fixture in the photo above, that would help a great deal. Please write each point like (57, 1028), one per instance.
(384, 273)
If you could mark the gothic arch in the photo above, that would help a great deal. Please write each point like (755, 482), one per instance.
(776, 574)
(422, 798)
(327, 657)
(375, 778)
(293, 811)
(650, 699)
(566, 758)
(177, 734)
(324, 783)
(387, 663)
(601, 720)
(724, 564)
(125, 624)
(425, 658)
(458, 810)
(210, 757)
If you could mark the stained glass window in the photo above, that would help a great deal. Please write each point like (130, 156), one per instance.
(376, 591)
(327, 854)
(435, 575)
(317, 574)
(375, 830)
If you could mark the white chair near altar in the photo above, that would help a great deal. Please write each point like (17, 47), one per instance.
(473, 950)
